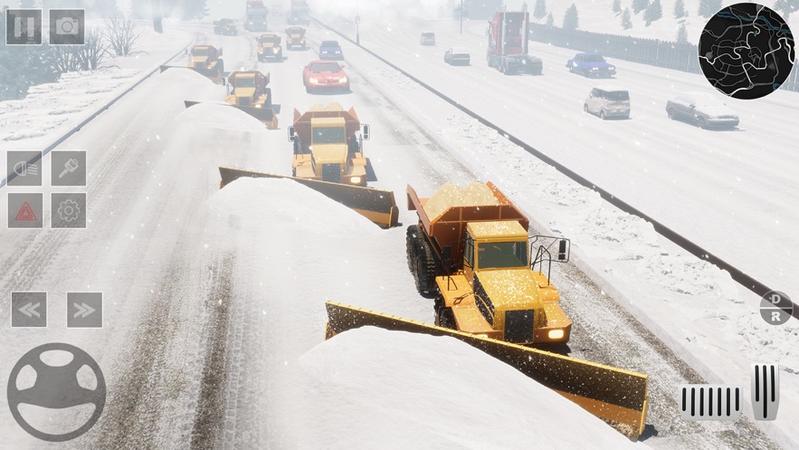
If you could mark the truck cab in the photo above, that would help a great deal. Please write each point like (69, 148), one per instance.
(295, 37)
(329, 148)
(206, 60)
(269, 47)
(505, 298)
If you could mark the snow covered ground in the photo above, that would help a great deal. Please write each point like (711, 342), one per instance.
(215, 299)
(707, 318)
(50, 109)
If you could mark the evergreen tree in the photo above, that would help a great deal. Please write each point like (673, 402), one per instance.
(653, 12)
(682, 34)
(679, 9)
(540, 9)
(616, 7)
(786, 7)
(626, 21)
(707, 8)
(570, 20)
(639, 5)
(194, 9)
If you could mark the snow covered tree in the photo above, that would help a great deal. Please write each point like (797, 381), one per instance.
(679, 9)
(616, 7)
(707, 8)
(104, 8)
(27, 3)
(570, 20)
(682, 34)
(121, 34)
(626, 20)
(540, 9)
(786, 7)
(639, 5)
(194, 9)
(653, 12)
(550, 19)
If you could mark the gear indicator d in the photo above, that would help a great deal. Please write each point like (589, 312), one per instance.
(56, 388)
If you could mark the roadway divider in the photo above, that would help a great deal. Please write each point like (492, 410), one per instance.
(84, 122)
(741, 277)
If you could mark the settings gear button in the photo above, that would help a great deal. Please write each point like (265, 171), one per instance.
(69, 210)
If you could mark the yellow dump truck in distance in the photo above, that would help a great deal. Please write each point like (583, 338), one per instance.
(328, 145)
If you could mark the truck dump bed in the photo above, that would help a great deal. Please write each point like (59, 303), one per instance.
(444, 216)
(302, 122)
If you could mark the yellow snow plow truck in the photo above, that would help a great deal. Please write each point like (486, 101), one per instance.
(328, 145)
(328, 157)
(248, 92)
(470, 251)
(206, 60)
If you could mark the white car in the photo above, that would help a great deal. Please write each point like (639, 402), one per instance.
(608, 102)
(703, 110)
(457, 57)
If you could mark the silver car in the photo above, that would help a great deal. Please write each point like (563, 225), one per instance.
(457, 57)
(608, 102)
(703, 110)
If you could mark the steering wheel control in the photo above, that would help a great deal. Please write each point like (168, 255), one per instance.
(56, 388)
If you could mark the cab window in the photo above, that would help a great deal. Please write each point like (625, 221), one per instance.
(328, 135)
(468, 252)
(496, 255)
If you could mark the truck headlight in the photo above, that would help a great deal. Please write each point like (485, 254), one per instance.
(355, 180)
(275, 49)
(555, 334)
(313, 80)
(342, 80)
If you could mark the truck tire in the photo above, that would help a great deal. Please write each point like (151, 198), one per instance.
(422, 262)
(444, 316)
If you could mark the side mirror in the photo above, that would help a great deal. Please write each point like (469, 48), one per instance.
(292, 136)
(564, 250)
(366, 132)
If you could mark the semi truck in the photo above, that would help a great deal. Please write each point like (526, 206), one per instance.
(255, 16)
(508, 44)
(300, 13)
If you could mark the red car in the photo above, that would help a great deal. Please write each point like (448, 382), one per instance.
(325, 76)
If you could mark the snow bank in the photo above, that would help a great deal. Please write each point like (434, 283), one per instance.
(372, 388)
(50, 109)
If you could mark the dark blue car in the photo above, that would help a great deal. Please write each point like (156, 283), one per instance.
(591, 65)
(330, 50)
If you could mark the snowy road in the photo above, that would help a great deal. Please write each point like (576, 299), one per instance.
(729, 191)
(205, 314)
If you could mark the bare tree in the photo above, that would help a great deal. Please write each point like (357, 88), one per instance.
(89, 56)
(122, 34)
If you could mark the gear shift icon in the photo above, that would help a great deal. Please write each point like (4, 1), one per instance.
(56, 388)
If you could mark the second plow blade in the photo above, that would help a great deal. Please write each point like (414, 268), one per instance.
(617, 396)
(374, 204)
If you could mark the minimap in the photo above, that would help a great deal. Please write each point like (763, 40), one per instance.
(746, 51)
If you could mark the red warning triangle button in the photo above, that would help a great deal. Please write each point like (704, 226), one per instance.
(26, 214)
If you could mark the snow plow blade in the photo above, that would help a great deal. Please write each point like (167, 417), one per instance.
(266, 115)
(374, 204)
(617, 396)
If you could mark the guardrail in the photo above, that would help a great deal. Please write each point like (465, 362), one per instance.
(94, 115)
(686, 244)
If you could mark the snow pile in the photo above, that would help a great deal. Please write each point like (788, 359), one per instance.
(50, 109)
(473, 194)
(370, 387)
